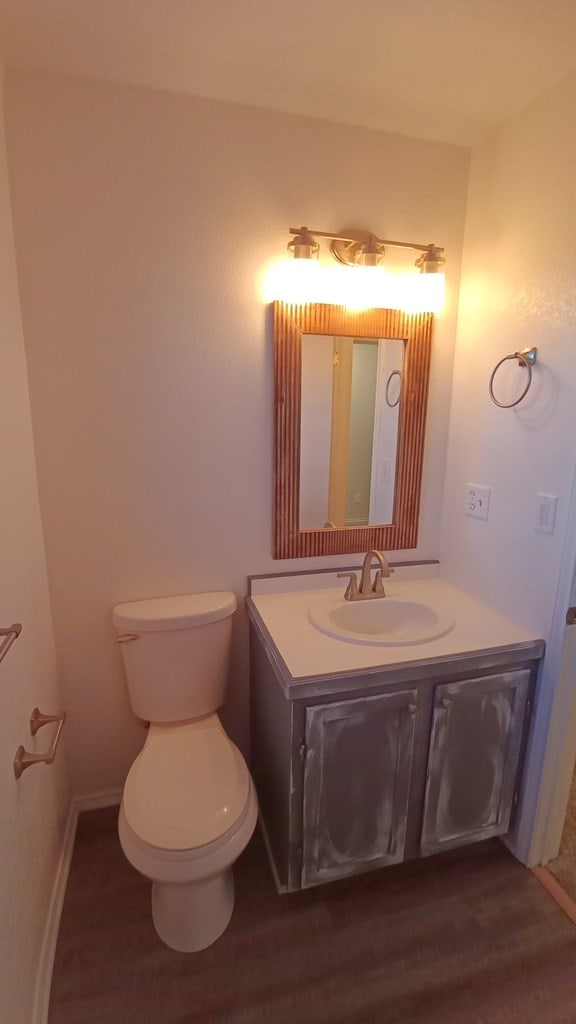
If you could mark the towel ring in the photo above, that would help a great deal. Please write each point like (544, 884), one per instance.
(395, 373)
(526, 357)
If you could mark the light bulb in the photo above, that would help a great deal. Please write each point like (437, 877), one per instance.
(295, 281)
(422, 293)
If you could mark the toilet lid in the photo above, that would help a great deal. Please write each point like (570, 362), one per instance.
(187, 787)
(183, 612)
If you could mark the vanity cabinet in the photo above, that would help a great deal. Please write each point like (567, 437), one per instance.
(477, 729)
(357, 767)
(364, 770)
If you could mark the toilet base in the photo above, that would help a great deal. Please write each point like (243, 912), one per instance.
(190, 916)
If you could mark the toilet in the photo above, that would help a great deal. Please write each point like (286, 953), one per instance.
(189, 805)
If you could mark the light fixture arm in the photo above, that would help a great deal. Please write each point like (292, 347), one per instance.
(382, 242)
(429, 261)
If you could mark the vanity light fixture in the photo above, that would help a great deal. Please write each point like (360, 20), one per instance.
(362, 248)
(360, 281)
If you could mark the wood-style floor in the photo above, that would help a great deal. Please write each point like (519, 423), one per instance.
(468, 937)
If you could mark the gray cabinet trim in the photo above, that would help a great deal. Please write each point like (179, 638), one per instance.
(401, 674)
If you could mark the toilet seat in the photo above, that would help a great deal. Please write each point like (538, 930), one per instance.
(184, 866)
(187, 789)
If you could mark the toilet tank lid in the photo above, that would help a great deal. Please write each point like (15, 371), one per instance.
(182, 612)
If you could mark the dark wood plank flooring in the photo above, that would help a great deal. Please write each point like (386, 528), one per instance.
(468, 937)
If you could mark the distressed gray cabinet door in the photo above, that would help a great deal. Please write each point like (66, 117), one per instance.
(475, 742)
(356, 783)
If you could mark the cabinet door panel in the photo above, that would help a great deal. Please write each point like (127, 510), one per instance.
(474, 747)
(356, 783)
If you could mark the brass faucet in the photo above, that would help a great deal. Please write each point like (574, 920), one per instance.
(367, 589)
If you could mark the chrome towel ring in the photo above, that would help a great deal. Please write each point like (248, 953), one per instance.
(395, 373)
(526, 357)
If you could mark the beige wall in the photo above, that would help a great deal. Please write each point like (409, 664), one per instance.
(33, 810)
(143, 223)
(517, 291)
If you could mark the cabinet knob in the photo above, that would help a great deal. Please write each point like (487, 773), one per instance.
(412, 709)
(445, 703)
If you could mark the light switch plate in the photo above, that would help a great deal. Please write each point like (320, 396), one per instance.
(545, 512)
(477, 501)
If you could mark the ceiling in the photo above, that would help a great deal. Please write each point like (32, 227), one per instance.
(439, 69)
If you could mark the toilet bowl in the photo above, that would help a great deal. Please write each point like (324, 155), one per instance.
(188, 810)
(189, 806)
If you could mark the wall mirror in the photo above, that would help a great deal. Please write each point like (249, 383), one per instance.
(350, 407)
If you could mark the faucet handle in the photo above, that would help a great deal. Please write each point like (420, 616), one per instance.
(378, 587)
(351, 591)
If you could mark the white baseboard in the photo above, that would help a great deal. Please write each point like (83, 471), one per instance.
(46, 963)
(108, 798)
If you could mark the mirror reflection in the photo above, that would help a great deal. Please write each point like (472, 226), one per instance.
(349, 414)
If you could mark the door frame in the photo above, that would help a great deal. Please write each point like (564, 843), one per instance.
(552, 750)
(343, 349)
(377, 438)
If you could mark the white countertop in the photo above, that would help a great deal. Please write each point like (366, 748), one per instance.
(308, 652)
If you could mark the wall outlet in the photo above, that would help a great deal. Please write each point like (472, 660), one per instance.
(477, 501)
(545, 512)
(357, 498)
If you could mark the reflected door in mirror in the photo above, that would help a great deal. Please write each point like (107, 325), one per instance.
(350, 406)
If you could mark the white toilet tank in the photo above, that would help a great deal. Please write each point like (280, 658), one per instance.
(175, 652)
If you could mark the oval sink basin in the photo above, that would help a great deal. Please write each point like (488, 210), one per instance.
(387, 621)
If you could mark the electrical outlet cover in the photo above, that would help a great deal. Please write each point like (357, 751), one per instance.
(477, 501)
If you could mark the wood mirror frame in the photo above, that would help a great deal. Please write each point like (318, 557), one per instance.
(290, 323)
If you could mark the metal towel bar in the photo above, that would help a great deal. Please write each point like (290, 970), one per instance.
(24, 759)
(10, 635)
